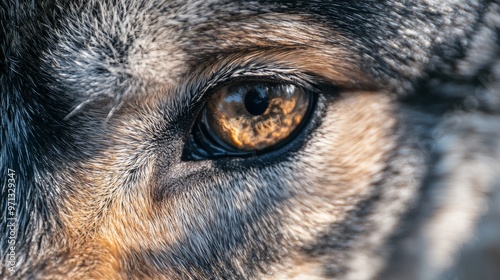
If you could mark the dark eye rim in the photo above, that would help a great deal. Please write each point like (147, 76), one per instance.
(196, 150)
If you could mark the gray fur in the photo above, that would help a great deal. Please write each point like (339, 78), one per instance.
(396, 178)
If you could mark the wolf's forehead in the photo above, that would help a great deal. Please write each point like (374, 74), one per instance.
(126, 46)
(116, 49)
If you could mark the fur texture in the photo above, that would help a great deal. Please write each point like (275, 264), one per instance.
(395, 176)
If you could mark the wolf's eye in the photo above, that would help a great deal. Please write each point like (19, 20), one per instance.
(250, 117)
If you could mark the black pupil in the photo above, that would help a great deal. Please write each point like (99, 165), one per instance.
(256, 101)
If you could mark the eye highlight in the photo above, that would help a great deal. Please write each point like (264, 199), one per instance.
(249, 117)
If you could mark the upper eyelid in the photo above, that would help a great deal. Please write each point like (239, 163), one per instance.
(305, 66)
(266, 75)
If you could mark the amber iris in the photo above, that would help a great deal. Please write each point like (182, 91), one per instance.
(253, 116)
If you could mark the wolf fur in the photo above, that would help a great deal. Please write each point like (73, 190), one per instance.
(396, 177)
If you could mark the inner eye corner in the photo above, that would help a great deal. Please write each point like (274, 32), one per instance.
(250, 117)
